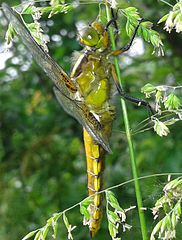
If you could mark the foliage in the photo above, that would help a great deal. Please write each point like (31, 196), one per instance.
(170, 205)
(173, 20)
(145, 29)
(164, 99)
(41, 234)
(36, 168)
(116, 217)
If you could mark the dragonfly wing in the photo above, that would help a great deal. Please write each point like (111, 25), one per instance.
(56, 74)
(75, 110)
(50, 67)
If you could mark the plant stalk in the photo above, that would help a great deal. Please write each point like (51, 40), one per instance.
(129, 138)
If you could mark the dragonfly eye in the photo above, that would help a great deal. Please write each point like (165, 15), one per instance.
(88, 36)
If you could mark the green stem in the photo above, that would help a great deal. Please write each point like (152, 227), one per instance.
(129, 138)
(166, 3)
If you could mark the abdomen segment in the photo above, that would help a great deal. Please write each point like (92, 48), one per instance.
(95, 164)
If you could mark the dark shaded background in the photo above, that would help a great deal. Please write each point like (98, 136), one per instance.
(42, 161)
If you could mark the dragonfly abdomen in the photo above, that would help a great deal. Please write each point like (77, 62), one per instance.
(95, 165)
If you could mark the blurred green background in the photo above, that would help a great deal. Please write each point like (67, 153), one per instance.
(42, 161)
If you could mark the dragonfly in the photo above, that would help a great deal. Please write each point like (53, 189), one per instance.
(86, 94)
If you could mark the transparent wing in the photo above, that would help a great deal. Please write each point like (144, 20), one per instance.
(50, 67)
(58, 76)
(76, 110)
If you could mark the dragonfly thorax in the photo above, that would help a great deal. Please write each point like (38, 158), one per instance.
(94, 36)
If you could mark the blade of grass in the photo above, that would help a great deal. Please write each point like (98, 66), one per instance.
(129, 138)
(166, 3)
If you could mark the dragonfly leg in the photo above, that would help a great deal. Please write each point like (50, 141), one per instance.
(127, 47)
(113, 21)
(138, 101)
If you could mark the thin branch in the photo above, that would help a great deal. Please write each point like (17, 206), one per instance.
(166, 3)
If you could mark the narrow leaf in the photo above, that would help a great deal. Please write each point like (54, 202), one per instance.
(164, 18)
(155, 230)
(84, 211)
(112, 230)
(160, 128)
(113, 201)
(113, 217)
(10, 34)
(86, 202)
(30, 234)
(148, 88)
(55, 229)
(45, 231)
(65, 219)
(172, 102)
(38, 236)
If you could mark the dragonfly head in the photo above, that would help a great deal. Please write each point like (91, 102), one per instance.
(94, 36)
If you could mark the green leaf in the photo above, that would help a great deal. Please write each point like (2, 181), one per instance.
(129, 28)
(148, 89)
(178, 207)
(147, 24)
(113, 217)
(144, 30)
(155, 230)
(53, 222)
(158, 96)
(151, 36)
(56, 216)
(131, 10)
(172, 184)
(178, 23)
(171, 121)
(165, 223)
(132, 14)
(86, 202)
(55, 9)
(110, 197)
(45, 231)
(84, 211)
(10, 34)
(30, 234)
(177, 6)
(37, 34)
(160, 128)
(65, 219)
(164, 18)
(145, 33)
(173, 220)
(38, 236)
(172, 102)
(68, 226)
(49, 221)
(55, 229)
(132, 19)
(54, 2)
(113, 231)
(28, 9)
(173, 18)
(154, 38)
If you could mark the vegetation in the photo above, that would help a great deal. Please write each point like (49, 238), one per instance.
(42, 160)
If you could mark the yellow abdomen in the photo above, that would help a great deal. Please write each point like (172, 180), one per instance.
(95, 165)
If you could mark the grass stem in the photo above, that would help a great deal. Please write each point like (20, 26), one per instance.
(129, 138)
